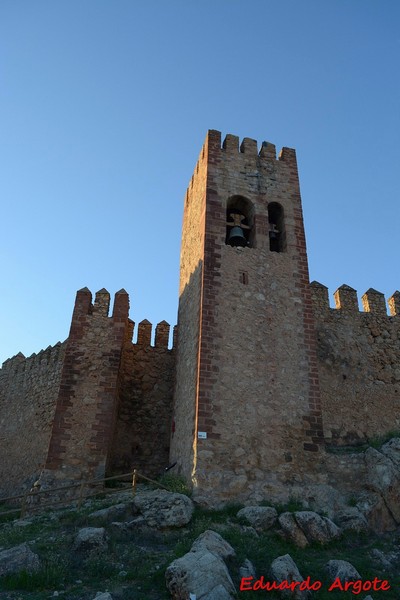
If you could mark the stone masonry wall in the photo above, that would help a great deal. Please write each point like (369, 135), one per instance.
(143, 428)
(86, 406)
(359, 364)
(261, 410)
(28, 394)
(190, 289)
(258, 425)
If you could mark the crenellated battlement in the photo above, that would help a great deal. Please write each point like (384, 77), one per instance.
(101, 305)
(231, 148)
(358, 361)
(20, 362)
(346, 300)
(248, 147)
(162, 333)
(258, 344)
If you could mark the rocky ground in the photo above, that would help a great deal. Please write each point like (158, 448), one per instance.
(158, 545)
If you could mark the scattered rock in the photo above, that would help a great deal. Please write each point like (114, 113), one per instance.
(200, 572)
(23, 522)
(247, 529)
(320, 498)
(118, 512)
(164, 509)
(247, 569)
(384, 477)
(214, 543)
(388, 561)
(392, 450)
(343, 570)
(351, 519)
(284, 568)
(91, 540)
(136, 523)
(19, 558)
(380, 557)
(103, 596)
(291, 529)
(260, 517)
(316, 528)
(373, 507)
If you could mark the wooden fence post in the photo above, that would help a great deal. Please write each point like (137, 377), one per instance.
(82, 487)
(23, 505)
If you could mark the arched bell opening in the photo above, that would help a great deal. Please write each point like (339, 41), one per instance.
(240, 222)
(277, 234)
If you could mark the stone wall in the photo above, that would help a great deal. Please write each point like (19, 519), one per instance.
(87, 402)
(265, 370)
(143, 426)
(190, 290)
(28, 394)
(359, 364)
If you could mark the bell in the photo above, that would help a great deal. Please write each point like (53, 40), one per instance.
(236, 237)
(273, 231)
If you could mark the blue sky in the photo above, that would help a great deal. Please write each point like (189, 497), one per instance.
(104, 106)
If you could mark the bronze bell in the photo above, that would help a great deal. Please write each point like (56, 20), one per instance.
(273, 231)
(236, 237)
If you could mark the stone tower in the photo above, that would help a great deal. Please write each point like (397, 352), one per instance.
(247, 414)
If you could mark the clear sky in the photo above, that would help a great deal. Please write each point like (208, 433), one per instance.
(104, 107)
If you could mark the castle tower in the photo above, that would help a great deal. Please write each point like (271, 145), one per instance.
(247, 415)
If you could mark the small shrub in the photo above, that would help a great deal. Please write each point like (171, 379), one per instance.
(175, 483)
(378, 441)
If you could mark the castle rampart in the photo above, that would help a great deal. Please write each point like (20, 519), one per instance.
(358, 363)
(28, 394)
(96, 403)
(87, 401)
(146, 383)
(266, 377)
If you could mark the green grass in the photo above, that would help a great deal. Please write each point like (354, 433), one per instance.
(134, 564)
(175, 483)
(52, 574)
(374, 442)
(378, 441)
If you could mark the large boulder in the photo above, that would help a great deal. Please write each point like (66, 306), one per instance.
(164, 509)
(319, 498)
(342, 570)
(260, 517)
(214, 543)
(292, 530)
(116, 512)
(19, 558)
(392, 450)
(384, 477)
(247, 569)
(377, 514)
(351, 519)
(91, 540)
(285, 569)
(316, 528)
(202, 572)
